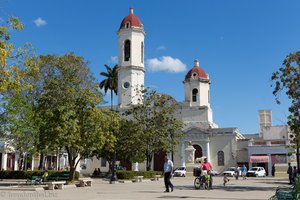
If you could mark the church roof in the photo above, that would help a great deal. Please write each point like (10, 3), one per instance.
(196, 72)
(132, 19)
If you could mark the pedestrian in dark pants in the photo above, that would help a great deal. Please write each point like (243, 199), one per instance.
(168, 168)
(290, 173)
(294, 174)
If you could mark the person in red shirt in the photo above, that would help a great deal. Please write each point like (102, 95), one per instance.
(208, 167)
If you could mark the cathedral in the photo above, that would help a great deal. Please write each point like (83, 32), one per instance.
(219, 145)
(224, 147)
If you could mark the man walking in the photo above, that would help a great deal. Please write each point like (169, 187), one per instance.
(168, 168)
(290, 173)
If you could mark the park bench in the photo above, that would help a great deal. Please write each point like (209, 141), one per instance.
(156, 177)
(138, 178)
(85, 182)
(59, 176)
(52, 184)
(288, 193)
(34, 180)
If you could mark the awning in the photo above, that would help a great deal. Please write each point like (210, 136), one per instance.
(259, 159)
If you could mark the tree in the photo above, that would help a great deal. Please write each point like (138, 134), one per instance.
(67, 109)
(287, 79)
(17, 122)
(9, 55)
(155, 124)
(111, 81)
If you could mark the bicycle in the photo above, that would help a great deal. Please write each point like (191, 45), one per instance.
(202, 179)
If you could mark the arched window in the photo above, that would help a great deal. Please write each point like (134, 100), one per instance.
(195, 95)
(220, 158)
(127, 50)
(142, 52)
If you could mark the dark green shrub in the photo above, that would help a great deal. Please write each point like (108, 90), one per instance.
(29, 174)
(130, 174)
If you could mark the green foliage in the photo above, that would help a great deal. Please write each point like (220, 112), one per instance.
(154, 125)
(67, 108)
(130, 174)
(287, 79)
(10, 56)
(111, 81)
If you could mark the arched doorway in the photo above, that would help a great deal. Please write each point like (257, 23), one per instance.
(198, 152)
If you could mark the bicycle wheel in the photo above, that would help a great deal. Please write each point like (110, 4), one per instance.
(197, 183)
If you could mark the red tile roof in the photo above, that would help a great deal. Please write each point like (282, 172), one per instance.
(132, 19)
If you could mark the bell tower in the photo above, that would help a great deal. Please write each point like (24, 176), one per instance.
(197, 86)
(131, 69)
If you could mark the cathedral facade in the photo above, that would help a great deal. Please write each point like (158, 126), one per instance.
(219, 145)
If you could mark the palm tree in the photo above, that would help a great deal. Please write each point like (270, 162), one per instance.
(111, 81)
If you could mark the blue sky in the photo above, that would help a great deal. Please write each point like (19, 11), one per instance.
(238, 43)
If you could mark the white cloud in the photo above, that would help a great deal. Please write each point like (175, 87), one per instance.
(40, 22)
(161, 48)
(114, 59)
(165, 63)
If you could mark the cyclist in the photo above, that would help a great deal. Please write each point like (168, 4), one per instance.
(207, 167)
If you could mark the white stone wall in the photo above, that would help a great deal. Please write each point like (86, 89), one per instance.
(203, 92)
(275, 133)
(227, 144)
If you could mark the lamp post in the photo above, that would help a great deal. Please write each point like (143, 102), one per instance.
(113, 177)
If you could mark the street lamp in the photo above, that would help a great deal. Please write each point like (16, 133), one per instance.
(114, 177)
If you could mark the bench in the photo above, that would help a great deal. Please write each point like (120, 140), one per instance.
(52, 184)
(138, 178)
(85, 182)
(58, 176)
(292, 192)
(156, 177)
(34, 180)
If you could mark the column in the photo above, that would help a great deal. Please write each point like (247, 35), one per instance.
(32, 162)
(4, 161)
(250, 163)
(16, 165)
(135, 166)
(182, 155)
(270, 164)
(208, 151)
(78, 166)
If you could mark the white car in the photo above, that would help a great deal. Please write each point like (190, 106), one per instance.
(231, 171)
(180, 171)
(256, 171)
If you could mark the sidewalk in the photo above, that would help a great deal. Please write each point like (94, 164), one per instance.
(250, 189)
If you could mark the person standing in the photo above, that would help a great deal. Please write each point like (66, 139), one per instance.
(294, 174)
(168, 168)
(244, 172)
(290, 173)
(208, 167)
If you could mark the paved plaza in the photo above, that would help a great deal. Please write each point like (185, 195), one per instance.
(250, 189)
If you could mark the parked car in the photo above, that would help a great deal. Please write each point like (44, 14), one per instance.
(256, 171)
(231, 171)
(180, 171)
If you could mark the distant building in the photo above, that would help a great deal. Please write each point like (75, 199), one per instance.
(271, 145)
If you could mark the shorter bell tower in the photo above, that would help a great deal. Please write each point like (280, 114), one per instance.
(197, 86)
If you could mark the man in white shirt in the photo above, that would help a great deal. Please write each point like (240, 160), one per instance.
(168, 168)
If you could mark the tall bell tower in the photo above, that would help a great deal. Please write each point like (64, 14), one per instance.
(131, 69)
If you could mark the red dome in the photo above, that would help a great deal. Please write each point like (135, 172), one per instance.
(196, 71)
(132, 19)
